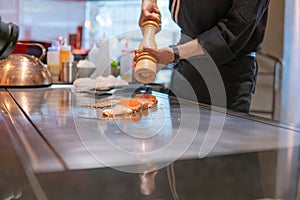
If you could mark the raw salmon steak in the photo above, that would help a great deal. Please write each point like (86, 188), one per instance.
(149, 98)
(116, 111)
(128, 108)
(102, 104)
(133, 104)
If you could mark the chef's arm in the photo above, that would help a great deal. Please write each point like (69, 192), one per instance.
(150, 11)
(185, 51)
(233, 32)
(190, 49)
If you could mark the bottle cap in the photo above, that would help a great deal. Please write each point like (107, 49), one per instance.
(54, 46)
(65, 46)
(125, 49)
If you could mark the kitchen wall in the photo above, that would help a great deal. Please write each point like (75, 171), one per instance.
(48, 19)
(281, 46)
(9, 10)
(118, 21)
(43, 20)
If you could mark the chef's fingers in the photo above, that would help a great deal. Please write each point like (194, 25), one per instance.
(150, 12)
(156, 53)
(163, 56)
(135, 56)
(133, 64)
(150, 50)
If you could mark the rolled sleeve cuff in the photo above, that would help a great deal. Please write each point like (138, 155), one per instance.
(214, 44)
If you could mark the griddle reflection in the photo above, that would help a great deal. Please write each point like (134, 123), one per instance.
(143, 132)
(147, 182)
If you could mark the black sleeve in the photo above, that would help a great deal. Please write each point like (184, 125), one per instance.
(225, 40)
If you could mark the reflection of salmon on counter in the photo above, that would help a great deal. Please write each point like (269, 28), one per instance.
(127, 106)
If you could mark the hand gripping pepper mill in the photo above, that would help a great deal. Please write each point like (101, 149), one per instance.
(145, 70)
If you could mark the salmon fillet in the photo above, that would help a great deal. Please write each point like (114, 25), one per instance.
(133, 104)
(128, 107)
(102, 104)
(116, 111)
(149, 98)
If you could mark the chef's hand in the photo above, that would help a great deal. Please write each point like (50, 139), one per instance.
(150, 11)
(163, 56)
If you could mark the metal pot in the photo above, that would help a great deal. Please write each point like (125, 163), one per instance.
(22, 70)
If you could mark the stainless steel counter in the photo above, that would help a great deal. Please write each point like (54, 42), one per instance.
(65, 141)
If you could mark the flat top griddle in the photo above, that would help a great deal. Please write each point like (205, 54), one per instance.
(175, 129)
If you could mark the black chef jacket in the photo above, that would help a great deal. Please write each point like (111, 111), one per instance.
(227, 30)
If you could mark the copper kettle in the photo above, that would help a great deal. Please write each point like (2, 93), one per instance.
(22, 70)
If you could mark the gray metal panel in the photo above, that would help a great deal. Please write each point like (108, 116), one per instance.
(41, 156)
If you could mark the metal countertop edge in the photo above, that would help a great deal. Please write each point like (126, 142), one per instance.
(22, 153)
(267, 121)
(52, 149)
(244, 115)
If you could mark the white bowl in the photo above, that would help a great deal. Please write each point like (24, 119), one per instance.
(84, 72)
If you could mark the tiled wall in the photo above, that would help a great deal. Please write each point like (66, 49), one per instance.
(48, 19)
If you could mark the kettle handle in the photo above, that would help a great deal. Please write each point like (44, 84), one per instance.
(43, 49)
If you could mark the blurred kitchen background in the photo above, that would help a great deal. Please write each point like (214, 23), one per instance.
(277, 93)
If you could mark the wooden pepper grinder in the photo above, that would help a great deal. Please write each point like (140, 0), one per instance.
(145, 70)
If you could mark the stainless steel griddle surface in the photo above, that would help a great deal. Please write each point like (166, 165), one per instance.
(175, 129)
